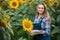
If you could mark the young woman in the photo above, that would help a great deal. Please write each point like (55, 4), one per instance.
(41, 23)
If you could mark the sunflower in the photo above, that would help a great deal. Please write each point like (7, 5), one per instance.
(27, 25)
(23, 1)
(49, 2)
(55, 3)
(4, 22)
(3, 4)
(31, 1)
(14, 4)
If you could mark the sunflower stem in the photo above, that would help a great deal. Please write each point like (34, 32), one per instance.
(28, 36)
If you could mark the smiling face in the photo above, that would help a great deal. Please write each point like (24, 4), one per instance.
(40, 8)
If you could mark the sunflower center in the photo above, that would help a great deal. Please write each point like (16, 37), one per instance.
(27, 25)
(18, 0)
(14, 3)
(3, 4)
(1, 0)
(30, 0)
(55, 3)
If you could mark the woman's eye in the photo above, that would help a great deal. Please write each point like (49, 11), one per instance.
(42, 8)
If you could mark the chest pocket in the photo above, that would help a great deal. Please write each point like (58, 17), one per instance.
(37, 26)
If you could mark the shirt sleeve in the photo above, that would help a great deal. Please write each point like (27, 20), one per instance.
(47, 28)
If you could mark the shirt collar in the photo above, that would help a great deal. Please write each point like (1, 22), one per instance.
(37, 16)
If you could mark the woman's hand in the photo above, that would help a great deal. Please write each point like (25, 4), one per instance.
(34, 32)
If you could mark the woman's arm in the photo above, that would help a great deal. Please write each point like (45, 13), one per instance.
(34, 32)
(47, 28)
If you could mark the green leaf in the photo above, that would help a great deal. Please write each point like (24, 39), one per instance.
(10, 29)
(52, 9)
(21, 38)
(58, 19)
(55, 30)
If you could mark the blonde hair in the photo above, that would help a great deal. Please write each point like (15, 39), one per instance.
(45, 13)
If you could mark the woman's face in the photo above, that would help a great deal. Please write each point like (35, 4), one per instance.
(40, 8)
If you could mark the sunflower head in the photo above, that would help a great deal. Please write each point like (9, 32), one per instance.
(27, 25)
(56, 3)
(3, 4)
(13, 4)
(31, 1)
(3, 22)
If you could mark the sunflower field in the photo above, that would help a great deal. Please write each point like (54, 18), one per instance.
(16, 18)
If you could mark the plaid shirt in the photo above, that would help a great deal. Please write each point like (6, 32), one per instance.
(45, 24)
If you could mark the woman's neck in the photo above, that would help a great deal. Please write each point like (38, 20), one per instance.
(40, 15)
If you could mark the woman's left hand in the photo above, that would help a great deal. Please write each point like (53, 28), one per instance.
(34, 32)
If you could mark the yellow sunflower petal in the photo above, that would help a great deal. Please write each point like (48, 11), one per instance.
(19, 0)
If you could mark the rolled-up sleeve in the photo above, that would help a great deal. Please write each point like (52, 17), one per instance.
(47, 28)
